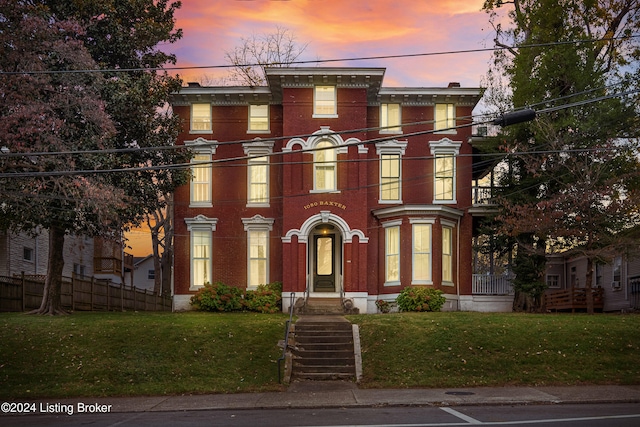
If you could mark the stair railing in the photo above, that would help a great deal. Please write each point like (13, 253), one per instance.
(287, 327)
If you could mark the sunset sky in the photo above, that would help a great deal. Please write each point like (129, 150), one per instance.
(337, 29)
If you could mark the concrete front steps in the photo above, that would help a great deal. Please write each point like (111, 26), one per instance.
(324, 349)
(330, 306)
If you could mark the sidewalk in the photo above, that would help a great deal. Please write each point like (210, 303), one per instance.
(335, 394)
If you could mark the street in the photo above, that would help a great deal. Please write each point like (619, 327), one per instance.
(589, 415)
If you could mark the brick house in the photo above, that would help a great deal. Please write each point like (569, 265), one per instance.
(329, 182)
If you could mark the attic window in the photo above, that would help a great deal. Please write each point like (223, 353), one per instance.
(324, 101)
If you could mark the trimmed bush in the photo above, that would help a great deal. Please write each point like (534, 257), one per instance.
(217, 297)
(420, 299)
(265, 299)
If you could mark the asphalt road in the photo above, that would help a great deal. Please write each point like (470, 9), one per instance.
(582, 415)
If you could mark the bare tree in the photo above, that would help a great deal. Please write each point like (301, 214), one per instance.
(257, 52)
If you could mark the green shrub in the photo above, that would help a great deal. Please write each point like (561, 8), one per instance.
(383, 306)
(420, 299)
(217, 297)
(265, 299)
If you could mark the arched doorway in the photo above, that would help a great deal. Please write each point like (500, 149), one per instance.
(325, 259)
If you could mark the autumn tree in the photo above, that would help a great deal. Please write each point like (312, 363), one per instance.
(47, 107)
(572, 179)
(255, 53)
(118, 39)
(126, 34)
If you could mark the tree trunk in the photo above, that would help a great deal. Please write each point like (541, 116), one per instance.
(51, 298)
(588, 286)
(157, 268)
(167, 262)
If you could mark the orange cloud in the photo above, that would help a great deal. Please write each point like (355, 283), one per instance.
(340, 29)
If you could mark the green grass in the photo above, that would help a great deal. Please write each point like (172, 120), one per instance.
(126, 354)
(498, 349)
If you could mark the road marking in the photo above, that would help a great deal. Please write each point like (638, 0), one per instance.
(472, 421)
(461, 415)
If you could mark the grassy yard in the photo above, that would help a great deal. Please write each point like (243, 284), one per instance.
(495, 349)
(123, 354)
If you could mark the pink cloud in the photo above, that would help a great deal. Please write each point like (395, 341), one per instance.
(345, 29)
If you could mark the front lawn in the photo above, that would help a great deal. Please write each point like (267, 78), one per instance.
(127, 354)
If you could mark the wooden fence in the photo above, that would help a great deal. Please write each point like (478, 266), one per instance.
(24, 293)
(572, 299)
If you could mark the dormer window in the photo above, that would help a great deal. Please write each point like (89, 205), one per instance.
(200, 118)
(325, 101)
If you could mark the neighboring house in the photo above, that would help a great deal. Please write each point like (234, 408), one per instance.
(22, 253)
(619, 279)
(143, 276)
(331, 183)
(84, 256)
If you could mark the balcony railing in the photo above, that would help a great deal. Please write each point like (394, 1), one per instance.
(489, 284)
(483, 195)
(112, 265)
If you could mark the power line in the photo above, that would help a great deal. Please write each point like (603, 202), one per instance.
(326, 61)
(341, 132)
(233, 159)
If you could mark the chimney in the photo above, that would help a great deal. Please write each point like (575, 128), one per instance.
(454, 84)
(193, 84)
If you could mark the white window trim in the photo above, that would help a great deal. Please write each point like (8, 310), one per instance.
(255, 149)
(335, 103)
(450, 226)
(257, 223)
(206, 131)
(386, 125)
(385, 225)
(422, 221)
(202, 146)
(335, 169)
(393, 147)
(446, 131)
(445, 147)
(258, 131)
(200, 223)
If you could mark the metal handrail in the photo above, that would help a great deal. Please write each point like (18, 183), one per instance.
(286, 334)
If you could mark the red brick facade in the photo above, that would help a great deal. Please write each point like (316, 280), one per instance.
(329, 230)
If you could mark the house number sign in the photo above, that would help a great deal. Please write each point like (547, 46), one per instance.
(325, 203)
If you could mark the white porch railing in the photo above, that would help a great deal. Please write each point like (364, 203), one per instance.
(487, 284)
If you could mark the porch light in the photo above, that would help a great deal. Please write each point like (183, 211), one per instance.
(324, 228)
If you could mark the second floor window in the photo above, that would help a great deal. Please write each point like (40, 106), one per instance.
(390, 118)
(324, 101)
(258, 180)
(324, 163)
(444, 178)
(200, 118)
(201, 180)
(390, 177)
(258, 117)
(445, 118)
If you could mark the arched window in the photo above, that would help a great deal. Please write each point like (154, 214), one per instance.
(324, 163)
